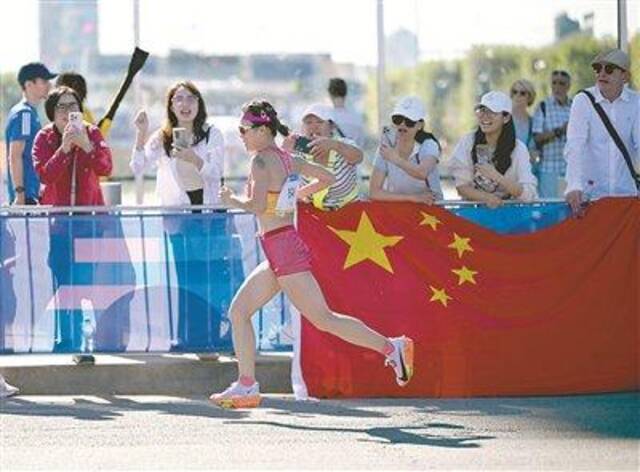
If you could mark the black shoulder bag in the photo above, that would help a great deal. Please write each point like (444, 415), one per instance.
(615, 136)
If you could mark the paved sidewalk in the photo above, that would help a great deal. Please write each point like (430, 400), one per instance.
(138, 374)
(599, 432)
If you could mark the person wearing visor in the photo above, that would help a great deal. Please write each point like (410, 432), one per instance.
(405, 166)
(23, 124)
(550, 134)
(320, 143)
(490, 165)
(273, 187)
(596, 164)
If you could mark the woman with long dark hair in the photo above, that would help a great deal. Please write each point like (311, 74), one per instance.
(188, 155)
(490, 165)
(272, 190)
(188, 171)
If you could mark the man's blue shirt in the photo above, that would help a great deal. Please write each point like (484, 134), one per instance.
(23, 124)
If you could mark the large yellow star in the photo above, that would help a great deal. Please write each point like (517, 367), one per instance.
(365, 243)
(460, 244)
(439, 295)
(465, 275)
(429, 220)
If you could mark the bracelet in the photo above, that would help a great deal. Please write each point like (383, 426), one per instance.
(19, 189)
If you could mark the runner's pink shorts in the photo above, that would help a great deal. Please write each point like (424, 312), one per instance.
(286, 251)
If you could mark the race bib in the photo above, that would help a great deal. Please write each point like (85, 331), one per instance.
(287, 198)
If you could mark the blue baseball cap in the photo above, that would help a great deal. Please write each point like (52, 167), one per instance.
(34, 70)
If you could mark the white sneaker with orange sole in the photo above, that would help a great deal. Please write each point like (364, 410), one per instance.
(238, 396)
(401, 359)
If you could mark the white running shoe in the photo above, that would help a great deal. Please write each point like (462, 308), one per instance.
(7, 390)
(238, 396)
(401, 359)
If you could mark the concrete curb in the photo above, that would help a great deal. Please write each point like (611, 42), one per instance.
(150, 374)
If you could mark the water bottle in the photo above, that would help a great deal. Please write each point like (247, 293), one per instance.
(88, 326)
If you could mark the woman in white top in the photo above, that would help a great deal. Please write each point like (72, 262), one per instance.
(490, 165)
(188, 155)
(188, 171)
(405, 167)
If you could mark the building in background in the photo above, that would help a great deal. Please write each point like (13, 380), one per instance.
(68, 33)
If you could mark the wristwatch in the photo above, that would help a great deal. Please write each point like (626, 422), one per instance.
(558, 132)
(19, 189)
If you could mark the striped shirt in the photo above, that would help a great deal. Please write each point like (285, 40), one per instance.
(555, 115)
(345, 189)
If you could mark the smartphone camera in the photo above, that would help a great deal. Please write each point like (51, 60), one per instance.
(75, 119)
(302, 145)
(180, 139)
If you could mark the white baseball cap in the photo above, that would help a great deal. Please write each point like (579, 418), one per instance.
(322, 111)
(497, 102)
(410, 107)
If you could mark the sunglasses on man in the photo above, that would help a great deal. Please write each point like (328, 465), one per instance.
(399, 119)
(608, 68)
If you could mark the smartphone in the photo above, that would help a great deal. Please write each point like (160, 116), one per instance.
(180, 138)
(388, 136)
(75, 119)
(302, 144)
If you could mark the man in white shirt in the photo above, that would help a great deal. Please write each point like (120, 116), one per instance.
(348, 122)
(595, 166)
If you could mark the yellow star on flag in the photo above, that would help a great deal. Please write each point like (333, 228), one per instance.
(460, 244)
(465, 275)
(439, 295)
(429, 220)
(365, 243)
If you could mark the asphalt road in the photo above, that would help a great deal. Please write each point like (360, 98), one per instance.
(596, 432)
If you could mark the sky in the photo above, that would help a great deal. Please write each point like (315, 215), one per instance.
(346, 29)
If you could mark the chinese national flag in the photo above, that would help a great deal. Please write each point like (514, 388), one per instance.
(552, 312)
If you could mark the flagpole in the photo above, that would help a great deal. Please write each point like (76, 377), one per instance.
(139, 179)
(381, 63)
(623, 31)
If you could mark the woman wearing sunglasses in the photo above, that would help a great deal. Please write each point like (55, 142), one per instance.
(490, 165)
(188, 171)
(523, 94)
(272, 190)
(405, 167)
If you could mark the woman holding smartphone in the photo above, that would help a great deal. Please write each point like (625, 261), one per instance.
(405, 167)
(187, 152)
(272, 189)
(490, 165)
(69, 156)
(188, 155)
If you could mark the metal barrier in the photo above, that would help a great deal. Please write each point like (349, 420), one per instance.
(153, 279)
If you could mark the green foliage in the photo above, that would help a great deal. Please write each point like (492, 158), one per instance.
(451, 88)
(10, 94)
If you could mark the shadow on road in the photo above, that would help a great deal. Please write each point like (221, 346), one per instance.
(110, 408)
(432, 434)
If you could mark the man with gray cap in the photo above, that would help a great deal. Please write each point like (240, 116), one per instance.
(23, 124)
(319, 142)
(596, 163)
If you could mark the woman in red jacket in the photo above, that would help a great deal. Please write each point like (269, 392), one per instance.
(69, 158)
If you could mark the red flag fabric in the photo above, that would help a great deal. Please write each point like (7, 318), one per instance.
(552, 312)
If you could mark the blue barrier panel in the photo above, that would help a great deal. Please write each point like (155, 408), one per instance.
(153, 281)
